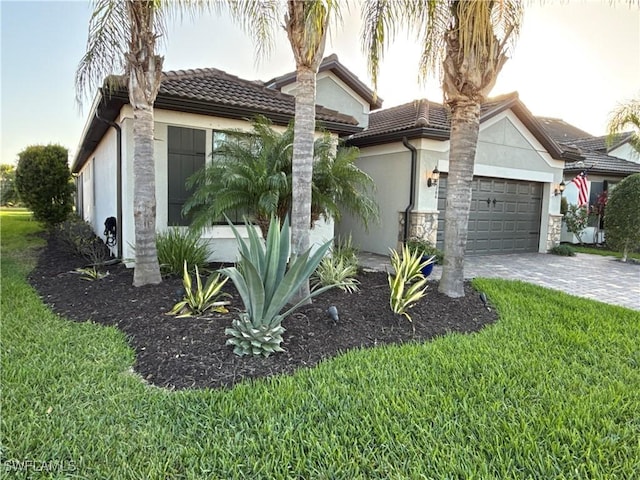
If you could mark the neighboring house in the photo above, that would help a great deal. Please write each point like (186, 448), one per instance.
(604, 165)
(192, 111)
(518, 167)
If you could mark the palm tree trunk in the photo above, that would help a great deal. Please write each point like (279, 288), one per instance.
(465, 126)
(147, 270)
(302, 167)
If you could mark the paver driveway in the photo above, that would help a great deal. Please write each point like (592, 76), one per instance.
(591, 276)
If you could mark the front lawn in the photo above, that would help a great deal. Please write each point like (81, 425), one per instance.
(549, 391)
(603, 252)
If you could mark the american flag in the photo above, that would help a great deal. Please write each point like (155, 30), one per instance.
(583, 188)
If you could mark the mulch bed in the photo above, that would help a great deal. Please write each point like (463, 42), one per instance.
(191, 353)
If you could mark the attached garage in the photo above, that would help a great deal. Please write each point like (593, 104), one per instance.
(517, 168)
(505, 216)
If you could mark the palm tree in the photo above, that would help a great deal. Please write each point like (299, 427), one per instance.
(306, 23)
(122, 38)
(250, 174)
(253, 173)
(626, 115)
(339, 185)
(467, 42)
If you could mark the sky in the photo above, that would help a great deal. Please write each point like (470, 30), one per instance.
(575, 60)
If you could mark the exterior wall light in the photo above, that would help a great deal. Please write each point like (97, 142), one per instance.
(433, 178)
(559, 189)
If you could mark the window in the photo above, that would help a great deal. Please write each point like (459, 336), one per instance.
(186, 155)
(219, 138)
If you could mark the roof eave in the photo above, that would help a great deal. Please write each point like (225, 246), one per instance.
(397, 136)
(342, 73)
(108, 108)
(104, 108)
(190, 105)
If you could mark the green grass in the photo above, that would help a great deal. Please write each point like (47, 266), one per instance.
(603, 252)
(551, 391)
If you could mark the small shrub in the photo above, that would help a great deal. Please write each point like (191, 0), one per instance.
(177, 246)
(202, 299)
(564, 205)
(563, 250)
(266, 286)
(79, 238)
(343, 250)
(577, 219)
(408, 285)
(622, 216)
(43, 181)
(425, 249)
(338, 272)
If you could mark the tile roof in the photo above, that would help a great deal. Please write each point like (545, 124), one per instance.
(599, 144)
(422, 113)
(601, 163)
(213, 86)
(419, 113)
(592, 149)
(561, 131)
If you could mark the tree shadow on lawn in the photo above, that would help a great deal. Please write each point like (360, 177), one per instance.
(191, 352)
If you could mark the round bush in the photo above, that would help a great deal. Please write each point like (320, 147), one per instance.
(44, 183)
(622, 216)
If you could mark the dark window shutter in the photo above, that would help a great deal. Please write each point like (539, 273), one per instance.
(186, 155)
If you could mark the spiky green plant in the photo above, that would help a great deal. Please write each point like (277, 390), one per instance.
(344, 249)
(91, 273)
(179, 245)
(408, 285)
(335, 270)
(266, 286)
(202, 299)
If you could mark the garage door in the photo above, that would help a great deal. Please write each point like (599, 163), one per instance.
(504, 216)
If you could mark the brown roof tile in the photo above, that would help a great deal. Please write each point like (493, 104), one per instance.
(561, 131)
(213, 86)
(422, 113)
(600, 163)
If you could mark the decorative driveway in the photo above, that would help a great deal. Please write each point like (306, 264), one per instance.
(605, 279)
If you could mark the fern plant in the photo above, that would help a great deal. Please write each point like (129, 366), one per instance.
(202, 299)
(408, 285)
(266, 286)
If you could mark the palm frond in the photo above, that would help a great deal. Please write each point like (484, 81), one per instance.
(260, 19)
(625, 116)
(107, 43)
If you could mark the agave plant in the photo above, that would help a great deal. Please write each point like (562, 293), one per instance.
(408, 285)
(266, 286)
(202, 299)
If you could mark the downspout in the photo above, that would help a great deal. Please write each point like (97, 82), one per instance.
(118, 181)
(412, 190)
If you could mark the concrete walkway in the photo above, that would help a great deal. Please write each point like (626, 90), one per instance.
(605, 279)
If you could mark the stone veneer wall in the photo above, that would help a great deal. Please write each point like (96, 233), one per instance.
(421, 225)
(555, 231)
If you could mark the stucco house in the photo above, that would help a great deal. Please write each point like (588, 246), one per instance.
(515, 202)
(519, 165)
(605, 166)
(192, 111)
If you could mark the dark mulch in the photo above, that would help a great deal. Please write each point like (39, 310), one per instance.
(191, 352)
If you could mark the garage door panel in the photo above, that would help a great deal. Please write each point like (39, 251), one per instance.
(510, 224)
